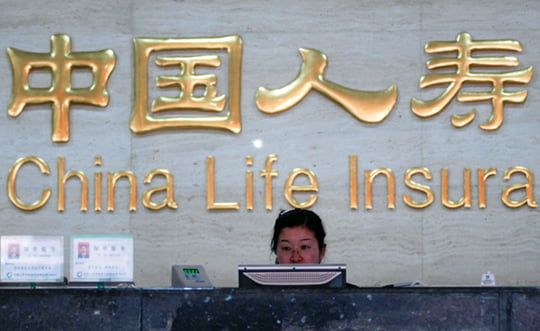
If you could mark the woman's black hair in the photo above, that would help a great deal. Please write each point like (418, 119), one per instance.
(298, 217)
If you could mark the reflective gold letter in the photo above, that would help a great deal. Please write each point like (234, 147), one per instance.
(369, 177)
(12, 179)
(168, 188)
(98, 178)
(210, 193)
(430, 197)
(63, 178)
(528, 186)
(353, 182)
(249, 184)
(112, 178)
(268, 173)
(482, 177)
(290, 188)
(465, 201)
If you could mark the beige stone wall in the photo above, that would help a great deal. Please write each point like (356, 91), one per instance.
(370, 45)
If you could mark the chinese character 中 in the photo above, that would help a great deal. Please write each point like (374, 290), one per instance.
(61, 62)
(464, 62)
(225, 107)
(366, 106)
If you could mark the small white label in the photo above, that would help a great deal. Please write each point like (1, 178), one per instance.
(488, 279)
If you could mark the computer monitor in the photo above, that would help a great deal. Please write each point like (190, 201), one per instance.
(284, 275)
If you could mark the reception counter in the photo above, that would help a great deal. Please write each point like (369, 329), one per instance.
(427, 308)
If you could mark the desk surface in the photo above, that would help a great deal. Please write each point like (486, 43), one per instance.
(489, 308)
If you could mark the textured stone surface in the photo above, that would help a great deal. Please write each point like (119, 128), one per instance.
(271, 309)
(61, 309)
(523, 309)
(325, 309)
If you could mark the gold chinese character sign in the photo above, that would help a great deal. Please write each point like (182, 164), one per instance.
(225, 110)
(366, 106)
(464, 62)
(61, 62)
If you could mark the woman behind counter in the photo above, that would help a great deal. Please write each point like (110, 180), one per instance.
(298, 237)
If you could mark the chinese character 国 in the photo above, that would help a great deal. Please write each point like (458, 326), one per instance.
(225, 109)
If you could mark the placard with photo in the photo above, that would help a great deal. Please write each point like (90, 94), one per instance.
(32, 258)
(101, 258)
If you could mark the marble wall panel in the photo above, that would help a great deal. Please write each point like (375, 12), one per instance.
(370, 45)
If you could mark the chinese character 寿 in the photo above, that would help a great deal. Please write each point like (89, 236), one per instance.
(464, 61)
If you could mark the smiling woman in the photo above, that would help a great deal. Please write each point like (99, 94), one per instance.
(298, 237)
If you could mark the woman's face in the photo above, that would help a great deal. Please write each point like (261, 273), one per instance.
(298, 245)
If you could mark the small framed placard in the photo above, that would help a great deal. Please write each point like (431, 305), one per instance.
(106, 258)
(32, 259)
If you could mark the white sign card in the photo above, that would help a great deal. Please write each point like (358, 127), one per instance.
(488, 279)
(105, 258)
(32, 258)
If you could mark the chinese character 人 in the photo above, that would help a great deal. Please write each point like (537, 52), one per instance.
(366, 106)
